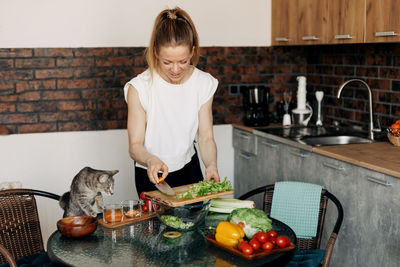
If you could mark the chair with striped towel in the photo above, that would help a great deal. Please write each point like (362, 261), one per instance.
(307, 221)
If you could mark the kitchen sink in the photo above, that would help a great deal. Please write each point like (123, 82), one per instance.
(325, 135)
(333, 140)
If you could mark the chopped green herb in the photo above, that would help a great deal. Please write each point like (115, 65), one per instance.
(176, 222)
(205, 188)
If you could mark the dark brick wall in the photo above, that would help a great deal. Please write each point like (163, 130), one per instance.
(79, 89)
(377, 64)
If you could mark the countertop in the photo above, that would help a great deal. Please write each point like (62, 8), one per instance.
(378, 156)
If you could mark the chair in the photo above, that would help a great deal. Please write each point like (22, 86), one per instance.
(7, 255)
(20, 232)
(314, 243)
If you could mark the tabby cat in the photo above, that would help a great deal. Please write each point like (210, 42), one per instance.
(86, 189)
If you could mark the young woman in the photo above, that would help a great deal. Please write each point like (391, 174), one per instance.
(170, 104)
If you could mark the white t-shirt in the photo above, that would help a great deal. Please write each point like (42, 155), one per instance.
(172, 114)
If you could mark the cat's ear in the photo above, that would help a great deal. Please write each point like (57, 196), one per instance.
(103, 178)
(112, 173)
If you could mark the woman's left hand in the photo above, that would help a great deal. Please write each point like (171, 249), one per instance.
(212, 173)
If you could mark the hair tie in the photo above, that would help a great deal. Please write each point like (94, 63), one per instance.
(171, 15)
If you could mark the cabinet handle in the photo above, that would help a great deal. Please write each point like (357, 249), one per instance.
(269, 144)
(385, 34)
(299, 154)
(338, 168)
(343, 37)
(246, 157)
(309, 38)
(244, 136)
(378, 181)
(281, 39)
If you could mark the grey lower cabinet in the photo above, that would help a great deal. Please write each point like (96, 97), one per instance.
(370, 233)
(296, 164)
(245, 164)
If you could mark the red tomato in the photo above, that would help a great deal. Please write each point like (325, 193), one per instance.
(142, 197)
(272, 240)
(148, 204)
(247, 249)
(241, 244)
(267, 246)
(254, 244)
(287, 240)
(272, 234)
(282, 242)
(262, 237)
(145, 208)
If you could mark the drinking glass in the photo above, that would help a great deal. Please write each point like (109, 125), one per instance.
(112, 213)
(131, 209)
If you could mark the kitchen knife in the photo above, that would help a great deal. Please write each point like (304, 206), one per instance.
(164, 188)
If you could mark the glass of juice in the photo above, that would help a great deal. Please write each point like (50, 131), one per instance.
(112, 213)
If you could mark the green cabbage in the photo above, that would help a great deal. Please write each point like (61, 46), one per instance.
(254, 220)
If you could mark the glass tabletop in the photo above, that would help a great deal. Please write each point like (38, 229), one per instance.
(143, 244)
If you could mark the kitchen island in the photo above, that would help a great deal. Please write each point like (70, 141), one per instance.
(364, 177)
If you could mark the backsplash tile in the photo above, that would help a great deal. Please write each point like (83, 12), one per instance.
(78, 89)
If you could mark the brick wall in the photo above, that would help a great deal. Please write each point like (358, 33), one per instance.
(79, 89)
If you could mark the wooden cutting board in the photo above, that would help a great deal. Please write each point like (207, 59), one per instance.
(144, 216)
(175, 202)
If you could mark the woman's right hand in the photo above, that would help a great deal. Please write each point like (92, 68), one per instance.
(154, 167)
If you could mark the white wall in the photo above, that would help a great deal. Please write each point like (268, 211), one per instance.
(49, 161)
(112, 23)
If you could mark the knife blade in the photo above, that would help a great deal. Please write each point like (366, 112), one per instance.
(164, 188)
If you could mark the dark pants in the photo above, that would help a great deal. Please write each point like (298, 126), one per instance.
(189, 174)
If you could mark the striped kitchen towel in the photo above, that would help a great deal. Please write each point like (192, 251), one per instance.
(297, 205)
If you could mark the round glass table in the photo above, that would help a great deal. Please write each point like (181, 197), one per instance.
(143, 244)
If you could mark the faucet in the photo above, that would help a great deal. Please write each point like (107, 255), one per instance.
(371, 122)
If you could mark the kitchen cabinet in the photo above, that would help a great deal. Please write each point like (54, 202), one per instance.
(269, 169)
(382, 21)
(284, 22)
(345, 21)
(296, 163)
(298, 21)
(370, 199)
(371, 214)
(311, 21)
(244, 144)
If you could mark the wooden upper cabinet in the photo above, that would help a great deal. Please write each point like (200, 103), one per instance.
(298, 21)
(383, 21)
(346, 21)
(311, 21)
(283, 20)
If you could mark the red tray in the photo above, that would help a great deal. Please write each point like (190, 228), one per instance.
(258, 254)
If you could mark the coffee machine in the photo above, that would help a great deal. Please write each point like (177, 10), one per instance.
(255, 103)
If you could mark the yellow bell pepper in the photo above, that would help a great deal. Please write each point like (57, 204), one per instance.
(228, 234)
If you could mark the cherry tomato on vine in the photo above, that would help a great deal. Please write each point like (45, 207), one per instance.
(262, 237)
(247, 249)
(254, 244)
(267, 246)
(282, 242)
(241, 244)
(272, 234)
